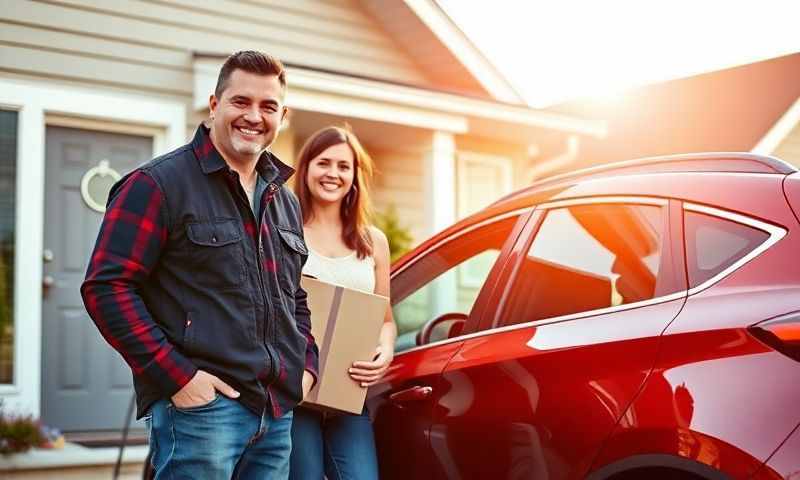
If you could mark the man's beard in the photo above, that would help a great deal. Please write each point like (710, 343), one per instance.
(248, 148)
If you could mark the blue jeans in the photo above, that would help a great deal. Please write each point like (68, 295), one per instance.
(341, 446)
(221, 440)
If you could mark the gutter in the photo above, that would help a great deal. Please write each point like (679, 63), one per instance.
(558, 162)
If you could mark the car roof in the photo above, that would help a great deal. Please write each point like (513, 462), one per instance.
(711, 162)
(705, 163)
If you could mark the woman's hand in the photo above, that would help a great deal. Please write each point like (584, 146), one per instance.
(369, 373)
(308, 384)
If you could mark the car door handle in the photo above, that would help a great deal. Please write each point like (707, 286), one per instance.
(411, 395)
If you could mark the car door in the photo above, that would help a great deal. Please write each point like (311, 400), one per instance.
(573, 335)
(437, 298)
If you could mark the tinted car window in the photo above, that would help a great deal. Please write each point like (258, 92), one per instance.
(589, 257)
(446, 280)
(714, 244)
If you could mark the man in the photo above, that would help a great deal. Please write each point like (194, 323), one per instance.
(195, 281)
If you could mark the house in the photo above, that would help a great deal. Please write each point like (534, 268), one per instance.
(752, 107)
(783, 138)
(90, 90)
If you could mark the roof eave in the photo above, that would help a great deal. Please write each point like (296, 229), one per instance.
(443, 27)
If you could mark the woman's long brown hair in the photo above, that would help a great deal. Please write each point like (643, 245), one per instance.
(355, 207)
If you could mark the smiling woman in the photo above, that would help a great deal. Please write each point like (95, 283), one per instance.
(333, 172)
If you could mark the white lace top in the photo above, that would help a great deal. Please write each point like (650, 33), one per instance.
(348, 271)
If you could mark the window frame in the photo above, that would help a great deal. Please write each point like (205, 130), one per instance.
(476, 313)
(463, 159)
(672, 261)
(13, 386)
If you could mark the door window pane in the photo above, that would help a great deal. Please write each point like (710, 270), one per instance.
(714, 244)
(589, 257)
(446, 280)
(8, 175)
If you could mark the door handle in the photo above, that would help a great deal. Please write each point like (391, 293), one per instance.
(412, 394)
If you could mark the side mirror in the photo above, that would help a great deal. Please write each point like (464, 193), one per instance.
(444, 326)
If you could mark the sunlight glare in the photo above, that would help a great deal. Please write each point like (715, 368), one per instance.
(552, 51)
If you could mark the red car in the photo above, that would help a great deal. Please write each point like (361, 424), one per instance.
(634, 320)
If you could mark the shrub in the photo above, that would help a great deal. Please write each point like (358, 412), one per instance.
(19, 433)
(398, 235)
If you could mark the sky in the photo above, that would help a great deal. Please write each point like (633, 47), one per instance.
(558, 50)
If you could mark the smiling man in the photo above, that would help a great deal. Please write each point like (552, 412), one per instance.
(195, 280)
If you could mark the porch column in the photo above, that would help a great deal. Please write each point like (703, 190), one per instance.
(440, 206)
(440, 182)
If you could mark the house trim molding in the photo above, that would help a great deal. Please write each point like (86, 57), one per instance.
(36, 102)
(375, 100)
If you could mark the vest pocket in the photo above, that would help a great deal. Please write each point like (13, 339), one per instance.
(292, 257)
(215, 253)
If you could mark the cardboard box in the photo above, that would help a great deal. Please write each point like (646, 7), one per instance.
(346, 325)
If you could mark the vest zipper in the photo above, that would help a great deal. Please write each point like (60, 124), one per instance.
(274, 363)
(271, 189)
(269, 336)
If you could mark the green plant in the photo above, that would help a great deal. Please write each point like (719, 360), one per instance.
(6, 309)
(19, 433)
(399, 236)
(6, 279)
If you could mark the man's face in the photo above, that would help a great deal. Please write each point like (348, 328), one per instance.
(247, 116)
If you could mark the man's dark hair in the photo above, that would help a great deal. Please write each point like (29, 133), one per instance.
(252, 62)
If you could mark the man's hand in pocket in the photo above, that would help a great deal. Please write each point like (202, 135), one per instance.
(201, 390)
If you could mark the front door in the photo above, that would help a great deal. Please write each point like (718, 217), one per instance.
(86, 384)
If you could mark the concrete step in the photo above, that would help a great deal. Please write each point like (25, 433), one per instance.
(112, 438)
(73, 462)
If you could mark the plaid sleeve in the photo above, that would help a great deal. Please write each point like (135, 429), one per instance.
(128, 246)
(302, 316)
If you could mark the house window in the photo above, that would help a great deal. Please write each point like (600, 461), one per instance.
(482, 179)
(8, 174)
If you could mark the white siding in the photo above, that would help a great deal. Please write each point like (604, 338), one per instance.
(398, 181)
(148, 44)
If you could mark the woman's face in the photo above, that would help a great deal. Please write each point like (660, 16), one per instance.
(330, 174)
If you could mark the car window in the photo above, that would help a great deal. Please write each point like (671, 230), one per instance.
(589, 257)
(714, 244)
(446, 280)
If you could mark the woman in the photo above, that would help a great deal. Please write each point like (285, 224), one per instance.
(332, 174)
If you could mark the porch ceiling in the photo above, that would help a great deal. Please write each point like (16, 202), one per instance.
(372, 133)
(375, 101)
